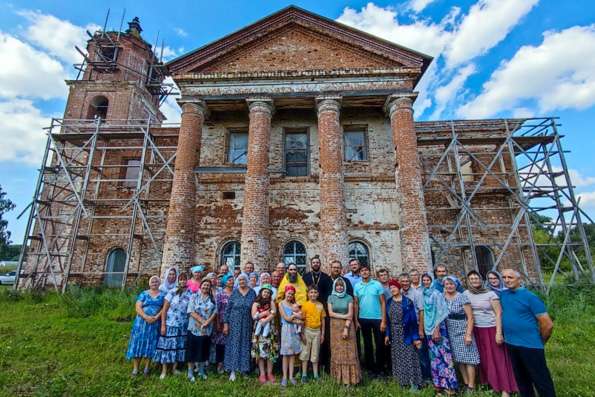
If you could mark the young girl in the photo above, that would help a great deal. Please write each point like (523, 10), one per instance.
(290, 337)
(201, 309)
(171, 347)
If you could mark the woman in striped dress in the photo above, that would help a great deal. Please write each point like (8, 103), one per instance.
(145, 329)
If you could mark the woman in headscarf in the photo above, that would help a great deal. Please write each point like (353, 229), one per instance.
(171, 346)
(146, 325)
(253, 280)
(237, 327)
(345, 367)
(219, 338)
(403, 337)
(265, 278)
(194, 282)
(434, 318)
(494, 282)
(170, 280)
(495, 367)
(265, 346)
(212, 277)
(460, 331)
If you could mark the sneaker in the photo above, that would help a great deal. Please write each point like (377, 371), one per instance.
(134, 372)
(162, 376)
(293, 381)
(283, 382)
(232, 377)
(304, 379)
(203, 376)
(191, 375)
(146, 371)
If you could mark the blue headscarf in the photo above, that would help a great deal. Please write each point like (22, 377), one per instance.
(435, 308)
(225, 279)
(197, 268)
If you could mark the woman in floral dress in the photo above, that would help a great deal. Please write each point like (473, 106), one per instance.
(219, 338)
(434, 317)
(265, 347)
(238, 328)
(171, 347)
(145, 329)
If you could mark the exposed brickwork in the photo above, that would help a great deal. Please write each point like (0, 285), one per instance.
(333, 231)
(179, 242)
(255, 216)
(415, 240)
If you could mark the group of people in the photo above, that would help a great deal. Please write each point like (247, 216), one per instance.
(418, 328)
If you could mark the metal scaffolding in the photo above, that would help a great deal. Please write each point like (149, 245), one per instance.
(75, 188)
(481, 171)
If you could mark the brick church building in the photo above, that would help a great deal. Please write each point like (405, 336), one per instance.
(297, 137)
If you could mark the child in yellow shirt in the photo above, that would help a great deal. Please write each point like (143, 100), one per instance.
(313, 332)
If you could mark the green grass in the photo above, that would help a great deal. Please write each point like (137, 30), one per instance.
(74, 346)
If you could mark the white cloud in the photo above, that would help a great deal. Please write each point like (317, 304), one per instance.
(27, 72)
(557, 74)
(422, 35)
(170, 108)
(449, 92)
(579, 179)
(418, 5)
(57, 36)
(587, 199)
(486, 24)
(168, 52)
(181, 32)
(21, 126)
(522, 113)
(456, 38)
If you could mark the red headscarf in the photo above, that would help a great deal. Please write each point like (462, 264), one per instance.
(392, 282)
(289, 287)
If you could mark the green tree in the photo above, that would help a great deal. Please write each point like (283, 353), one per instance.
(5, 206)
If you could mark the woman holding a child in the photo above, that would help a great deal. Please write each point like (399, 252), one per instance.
(264, 341)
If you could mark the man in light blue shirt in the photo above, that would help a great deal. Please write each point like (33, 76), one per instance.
(354, 276)
(371, 317)
(526, 327)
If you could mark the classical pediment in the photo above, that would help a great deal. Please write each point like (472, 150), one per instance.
(297, 40)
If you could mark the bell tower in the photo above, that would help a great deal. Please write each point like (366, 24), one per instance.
(120, 78)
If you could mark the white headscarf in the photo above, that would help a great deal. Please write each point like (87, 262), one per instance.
(166, 286)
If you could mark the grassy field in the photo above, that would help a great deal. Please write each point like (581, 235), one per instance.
(74, 346)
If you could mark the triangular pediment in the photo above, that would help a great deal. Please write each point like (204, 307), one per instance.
(295, 39)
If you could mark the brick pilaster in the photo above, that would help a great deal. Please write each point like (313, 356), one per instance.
(415, 240)
(333, 218)
(178, 248)
(255, 215)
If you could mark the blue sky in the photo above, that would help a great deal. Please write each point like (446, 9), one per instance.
(493, 58)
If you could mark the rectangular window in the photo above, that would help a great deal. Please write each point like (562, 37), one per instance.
(238, 148)
(355, 145)
(296, 153)
(132, 171)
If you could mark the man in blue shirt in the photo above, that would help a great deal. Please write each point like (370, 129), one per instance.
(527, 327)
(370, 314)
(354, 276)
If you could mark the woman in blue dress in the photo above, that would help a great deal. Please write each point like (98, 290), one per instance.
(145, 329)
(171, 346)
(237, 325)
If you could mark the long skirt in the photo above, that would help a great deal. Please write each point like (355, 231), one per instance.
(444, 375)
(495, 367)
(143, 339)
(171, 348)
(345, 366)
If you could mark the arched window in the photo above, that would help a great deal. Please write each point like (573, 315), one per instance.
(98, 107)
(485, 259)
(295, 252)
(359, 251)
(230, 254)
(114, 268)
